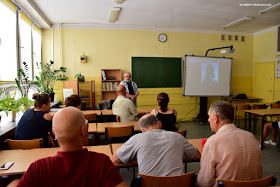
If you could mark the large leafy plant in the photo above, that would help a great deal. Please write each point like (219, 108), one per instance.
(9, 103)
(22, 80)
(47, 76)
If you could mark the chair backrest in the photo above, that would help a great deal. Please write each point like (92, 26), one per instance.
(259, 106)
(242, 107)
(24, 144)
(115, 132)
(91, 117)
(183, 133)
(269, 181)
(185, 180)
(275, 105)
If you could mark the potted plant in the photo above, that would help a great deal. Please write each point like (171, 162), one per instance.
(80, 77)
(9, 106)
(22, 80)
(45, 81)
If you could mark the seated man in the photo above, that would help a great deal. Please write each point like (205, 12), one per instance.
(273, 126)
(158, 152)
(231, 153)
(73, 165)
(124, 107)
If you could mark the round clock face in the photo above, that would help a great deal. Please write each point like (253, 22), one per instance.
(162, 37)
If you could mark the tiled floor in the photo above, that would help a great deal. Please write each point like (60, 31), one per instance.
(270, 154)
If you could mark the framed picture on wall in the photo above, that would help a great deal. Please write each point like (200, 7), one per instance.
(277, 67)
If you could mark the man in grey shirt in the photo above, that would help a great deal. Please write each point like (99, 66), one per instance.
(158, 152)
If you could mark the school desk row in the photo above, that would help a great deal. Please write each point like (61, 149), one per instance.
(106, 112)
(23, 158)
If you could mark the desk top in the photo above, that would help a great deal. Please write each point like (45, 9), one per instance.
(109, 112)
(233, 99)
(265, 112)
(23, 158)
(101, 126)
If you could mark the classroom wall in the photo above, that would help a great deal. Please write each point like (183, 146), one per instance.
(114, 49)
(264, 55)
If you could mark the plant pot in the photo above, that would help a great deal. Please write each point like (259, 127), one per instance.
(52, 96)
(10, 118)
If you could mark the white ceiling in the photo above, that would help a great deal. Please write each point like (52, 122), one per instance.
(208, 15)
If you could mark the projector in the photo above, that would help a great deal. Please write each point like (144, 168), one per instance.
(227, 51)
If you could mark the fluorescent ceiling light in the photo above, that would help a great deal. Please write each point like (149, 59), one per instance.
(270, 9)
(237, 22)
(119, 1)
(114, 14)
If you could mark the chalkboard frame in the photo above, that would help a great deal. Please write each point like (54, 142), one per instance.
(164, 72)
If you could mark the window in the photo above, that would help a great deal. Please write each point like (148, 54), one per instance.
(29, 41)
(8, 56)
(25, 43)
(36, 50)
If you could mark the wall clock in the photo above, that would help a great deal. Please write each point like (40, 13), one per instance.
(162, 37)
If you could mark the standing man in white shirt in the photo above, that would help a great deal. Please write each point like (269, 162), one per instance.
(131, 87)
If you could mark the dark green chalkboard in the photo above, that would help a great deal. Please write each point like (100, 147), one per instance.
(157, 72)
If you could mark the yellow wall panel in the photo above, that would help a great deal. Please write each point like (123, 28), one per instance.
(114, 49)
(264, 51)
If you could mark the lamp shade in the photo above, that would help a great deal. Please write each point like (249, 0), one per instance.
(114, 14)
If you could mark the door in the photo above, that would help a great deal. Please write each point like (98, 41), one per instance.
(264, 77)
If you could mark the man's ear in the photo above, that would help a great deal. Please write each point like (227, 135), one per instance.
(216, 117)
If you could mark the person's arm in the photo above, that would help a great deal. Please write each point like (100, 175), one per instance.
(133, 109)
(122, 184)
(154, 112)
(206, 175)
(14, 183)
(197, 156)
(175, 113)
(48, 117)
(115, 159)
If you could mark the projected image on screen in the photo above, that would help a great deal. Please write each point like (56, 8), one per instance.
(209, 74)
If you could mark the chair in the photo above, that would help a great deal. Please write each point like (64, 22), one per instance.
(238, 109)
(275, 105)
(118, 118)
(117, 132)
(91, 117)
(269, 181)
(258, 106)
(24, 144)
(183, 133)
(185, 180)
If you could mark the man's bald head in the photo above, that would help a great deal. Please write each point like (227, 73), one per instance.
(121, 90)
(67, 125)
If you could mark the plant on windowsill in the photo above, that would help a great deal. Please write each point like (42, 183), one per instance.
(22, 81)
(9, 105)
(46, 78)
(80, 77)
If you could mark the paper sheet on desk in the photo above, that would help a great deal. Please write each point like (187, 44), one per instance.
(55, 109)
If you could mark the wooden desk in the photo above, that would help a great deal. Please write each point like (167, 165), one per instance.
(101, 126)
(243, 100)
(110, 112)
(85, 112)
(263, 113)
(23, 158)
(197, 144)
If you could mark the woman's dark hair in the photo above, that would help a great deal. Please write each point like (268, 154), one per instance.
(40, 99)
(163, 101)
(73, 100)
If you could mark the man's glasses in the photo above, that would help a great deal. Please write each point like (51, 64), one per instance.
(127, 76)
